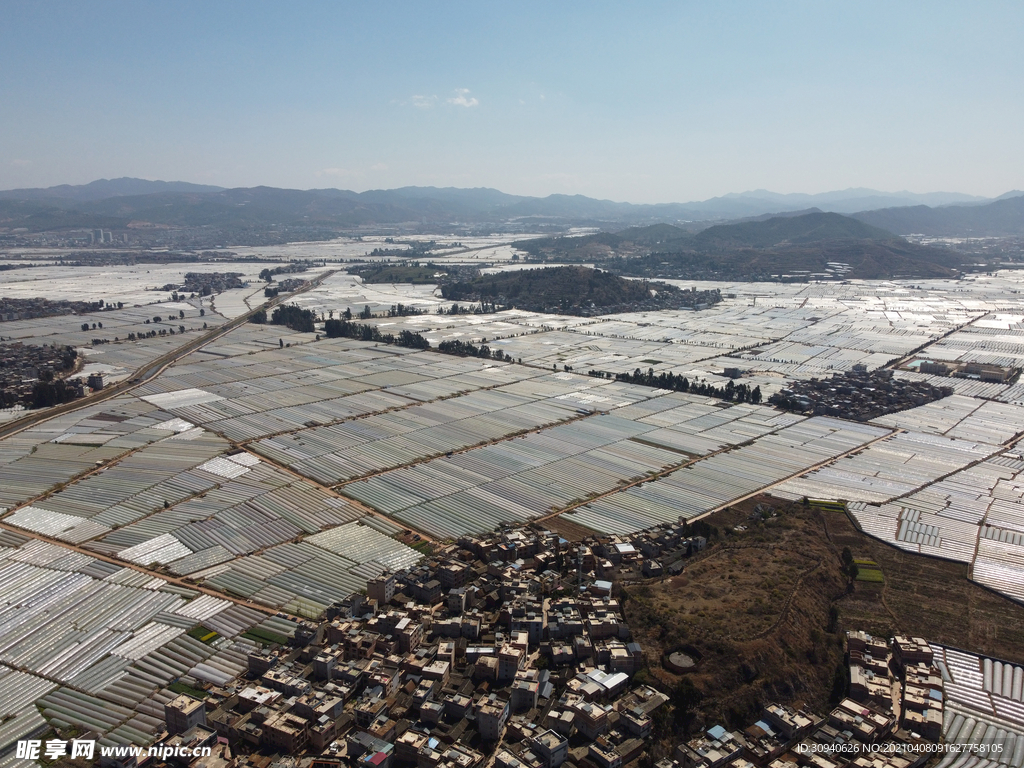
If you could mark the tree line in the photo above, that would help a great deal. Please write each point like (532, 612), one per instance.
(343, 329)
(741, 393)
(335, 329)
(290, 316)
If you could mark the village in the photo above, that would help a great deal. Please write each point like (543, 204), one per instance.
(512, 651)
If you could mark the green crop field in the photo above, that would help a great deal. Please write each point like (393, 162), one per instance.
(872, 575)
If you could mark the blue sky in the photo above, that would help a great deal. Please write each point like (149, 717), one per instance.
(653, 102)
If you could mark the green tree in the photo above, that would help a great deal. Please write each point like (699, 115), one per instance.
(685, 697)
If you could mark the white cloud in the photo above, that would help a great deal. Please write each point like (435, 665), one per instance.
(423, 102)
(351, 173)
(338, 172)
(21, 163)
(463, 99)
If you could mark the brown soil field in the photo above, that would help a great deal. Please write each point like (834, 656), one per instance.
(927, 597)
(565, 528)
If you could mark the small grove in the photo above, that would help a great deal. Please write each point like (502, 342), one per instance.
(334, 329)
(741, 393)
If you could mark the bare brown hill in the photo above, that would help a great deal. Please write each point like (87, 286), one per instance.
(765, 607)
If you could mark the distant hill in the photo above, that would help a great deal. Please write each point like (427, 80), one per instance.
(762, 232)
(474, 198)
(37, 216)
(853, 200)
(1004, 217)
(784, 214)
(601, 245)
(754, 250)
(864, 260)
(655, 235)
(104, 188)
(780, 230)
(245, 214)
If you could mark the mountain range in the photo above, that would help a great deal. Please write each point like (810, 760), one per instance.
(101, 189)
(115, 203)
(1001, 218)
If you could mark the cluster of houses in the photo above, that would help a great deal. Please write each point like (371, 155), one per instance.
(509, 648)
(857, 395)
(27, 309)
(893, 711)
(512, 651)
(898, 678)
(23, 365)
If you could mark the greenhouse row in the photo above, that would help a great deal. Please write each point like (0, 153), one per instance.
(114, 640)
(895, 466)
(973, 516)
(720, 479)
(358, 447)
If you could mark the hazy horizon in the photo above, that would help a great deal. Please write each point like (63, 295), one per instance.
(668, 103)
(743, 193)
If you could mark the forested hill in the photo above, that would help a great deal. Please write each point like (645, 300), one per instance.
(786, 247)
(574, 290)
(814, 227)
